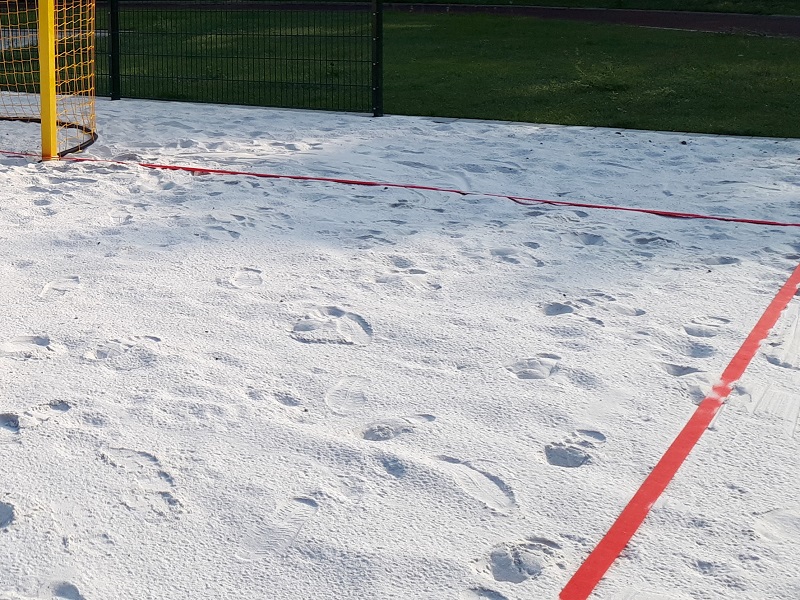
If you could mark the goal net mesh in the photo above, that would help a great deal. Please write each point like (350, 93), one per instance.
(20, 74)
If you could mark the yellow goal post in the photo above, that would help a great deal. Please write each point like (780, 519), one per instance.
(47, 75)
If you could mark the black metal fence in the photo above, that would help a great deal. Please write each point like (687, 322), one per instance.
(320, 55)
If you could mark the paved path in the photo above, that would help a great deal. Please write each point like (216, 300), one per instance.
(693, 21)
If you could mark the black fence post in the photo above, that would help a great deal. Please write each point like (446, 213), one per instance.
(113, 63)
(377, 58)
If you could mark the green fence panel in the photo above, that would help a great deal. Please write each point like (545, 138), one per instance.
(319, 55)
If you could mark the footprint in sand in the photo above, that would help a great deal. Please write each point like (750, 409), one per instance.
(651, 240)
(56, 590)
(247, 277)
(394, 466)
(6, 515)
(348, 396)
(724, 573)
(606, 302)
(126, 354)
(678, 370)
(560, 454)
(276, 537)
(60, 287)
(489, 489)
(777, 401)
(401, 262)
(9, 423)
(220, 233)
(553, 309)
(584, 239)
(231, 219)
(720, 260)
(506, 255)
(779, 525)
(332, 325)
(626, 311)
(406, 273)
(380, 431)
(596, 301)
(151, 486)
(42, 413)
(120, 216)
(371, 238)
(574, 451)
(783, 344)
(513, 256)
(705, 327)
(287, 398)
(540, 366)
(519, 561)
(416, 278)
(28, 347)
(62, 590)
(693, 349)
(294, 146)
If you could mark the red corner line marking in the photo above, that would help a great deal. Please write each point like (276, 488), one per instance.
(586, 578)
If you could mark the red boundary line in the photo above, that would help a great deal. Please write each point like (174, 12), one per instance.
(589, 574)
(523, 200)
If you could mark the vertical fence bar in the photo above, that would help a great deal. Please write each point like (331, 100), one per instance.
(114, 51)
(377, 58)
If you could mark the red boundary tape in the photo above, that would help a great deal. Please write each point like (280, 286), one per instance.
(525, 201)
(586, 578)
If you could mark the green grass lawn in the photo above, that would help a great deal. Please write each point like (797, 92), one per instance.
(524, 69)
(761, 7)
